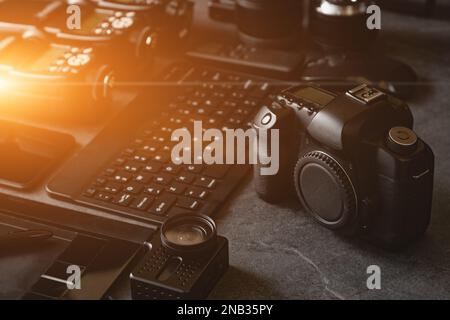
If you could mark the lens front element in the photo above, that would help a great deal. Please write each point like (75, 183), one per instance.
(188, 232)
(186, 235)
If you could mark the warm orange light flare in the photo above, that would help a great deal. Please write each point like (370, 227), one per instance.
(3, 84)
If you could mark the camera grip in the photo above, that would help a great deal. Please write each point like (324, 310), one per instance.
(404, 187)
(274, 188)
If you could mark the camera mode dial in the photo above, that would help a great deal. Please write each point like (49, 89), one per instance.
(402, 140)
(325, 189)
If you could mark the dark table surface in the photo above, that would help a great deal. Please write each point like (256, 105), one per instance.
(277, 251)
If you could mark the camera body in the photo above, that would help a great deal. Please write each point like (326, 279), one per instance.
(102, 28)
(174, 271)
(105, 28)
(44, 78)
(139, 29)
(172, 17)
(353, 161)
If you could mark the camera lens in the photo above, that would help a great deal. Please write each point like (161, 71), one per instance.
(188, 232)
(269, 23)
(344, 2)
(342, 24)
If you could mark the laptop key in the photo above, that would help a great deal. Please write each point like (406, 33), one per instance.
(152, 167)
(109, 172)
(123, 199)
(187, 203)
(143, 178)
(149, 148)
(162, 204)
(160, 157)
(100, 181)
(142, 203)
(133, 166)
(129, 151)
(176, 188)
(197, 193)
(162, 178)
(205, 182)
(120, 161)
(141, 157)
(122, 177)
(103, 196)
(90, 192)
(193, 168)
(154, 190)
(112, 187)
(171, 168)
(185, 178)
(134, 187)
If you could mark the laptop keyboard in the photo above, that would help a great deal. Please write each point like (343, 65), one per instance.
(141, 179)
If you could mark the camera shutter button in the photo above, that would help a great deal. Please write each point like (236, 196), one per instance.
(402, 140)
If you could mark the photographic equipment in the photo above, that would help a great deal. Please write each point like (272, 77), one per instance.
(353, 160)
(102, 259)
(138, 30)
(269, 62)
(386, 73)
(104, 29)
(345, 53)
(37, 75)
(265, 23)
(28, 153)
(173, 17)
(134, 175)
(269, 33)
(25, 14)
(341, 24)
(184, 262)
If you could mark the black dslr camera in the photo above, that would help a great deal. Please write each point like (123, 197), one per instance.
(353, 161)
(185, 260)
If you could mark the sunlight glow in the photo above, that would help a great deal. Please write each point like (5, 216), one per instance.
(3, 84)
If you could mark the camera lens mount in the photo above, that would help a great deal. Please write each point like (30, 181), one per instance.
(325, 189)
(189, 232)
